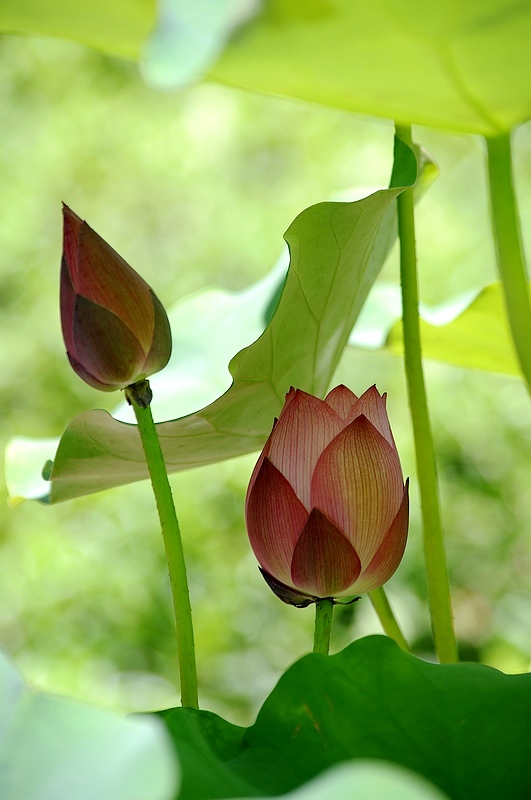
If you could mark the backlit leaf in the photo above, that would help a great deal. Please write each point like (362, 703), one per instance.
(336, 252)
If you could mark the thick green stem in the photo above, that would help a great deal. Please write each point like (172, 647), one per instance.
(139, 396)
(434, 553)
(324, 610)
(509, 249)
(387, 618)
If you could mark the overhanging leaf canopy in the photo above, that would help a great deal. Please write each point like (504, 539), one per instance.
(461, 65)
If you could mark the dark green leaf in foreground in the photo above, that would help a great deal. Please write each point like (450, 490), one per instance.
(465, 727)
(52, 748)
(336, 253)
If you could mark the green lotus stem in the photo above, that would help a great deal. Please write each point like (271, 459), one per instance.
(139, 396)
(388, 621)
(324, 610)
(434, 552)
(509, 249)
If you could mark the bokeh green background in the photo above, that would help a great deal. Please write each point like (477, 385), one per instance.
(195, 189)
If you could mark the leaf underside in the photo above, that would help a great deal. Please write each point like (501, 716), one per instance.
(453, 64)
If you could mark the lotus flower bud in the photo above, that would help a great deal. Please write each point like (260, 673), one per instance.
(327, 509)
(115, 329)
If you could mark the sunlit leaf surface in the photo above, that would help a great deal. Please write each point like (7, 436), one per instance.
(478, 338)
(366, 780)
(453, 64)
(470, 332)
(456, 64)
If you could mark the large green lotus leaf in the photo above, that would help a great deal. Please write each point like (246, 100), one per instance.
(118, 27)
(52, 748)
(466, 728)
(470, 331)
(209, 746)
(336, 252)
(463, 65)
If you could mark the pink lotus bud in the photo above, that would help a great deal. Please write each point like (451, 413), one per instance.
(115, 329)
(327, 510)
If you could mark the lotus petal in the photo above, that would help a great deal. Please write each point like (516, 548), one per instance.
(275, 519)
(358, 485)
(324, 561)
(305, 427)
(342, 401)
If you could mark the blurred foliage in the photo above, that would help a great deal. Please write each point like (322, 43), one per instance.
(196, 189)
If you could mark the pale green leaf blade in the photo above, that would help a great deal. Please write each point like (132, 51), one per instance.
(52, 747)
(301, 347)
(454, 64)
(478, 338)
(365, 779)
(118, 27)
(460, 65)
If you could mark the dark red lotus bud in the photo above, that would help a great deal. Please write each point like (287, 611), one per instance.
(115, 329)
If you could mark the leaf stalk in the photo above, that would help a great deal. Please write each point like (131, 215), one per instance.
(509, 249)
(388, 621)
(434, 551)
(139, 396)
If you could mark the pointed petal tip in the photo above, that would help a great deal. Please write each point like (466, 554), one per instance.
(341, 399)
(306, 426)
(373, 406)
(67, 212)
